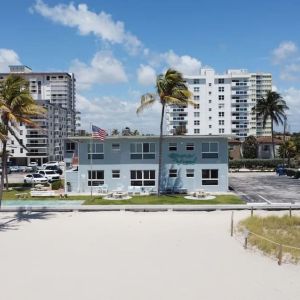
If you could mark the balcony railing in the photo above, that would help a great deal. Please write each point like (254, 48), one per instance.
(37, 154)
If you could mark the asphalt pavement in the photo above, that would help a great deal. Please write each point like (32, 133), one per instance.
(259, 187)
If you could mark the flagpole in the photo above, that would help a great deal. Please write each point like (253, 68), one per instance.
(91, 160)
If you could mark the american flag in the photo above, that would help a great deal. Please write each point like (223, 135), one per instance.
(98, 133)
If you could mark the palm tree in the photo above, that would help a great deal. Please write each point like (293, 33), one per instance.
(271, 107)
(170, 90)
(16, 105)
(288, 149)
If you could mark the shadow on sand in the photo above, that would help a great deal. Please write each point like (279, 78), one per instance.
(13, 222)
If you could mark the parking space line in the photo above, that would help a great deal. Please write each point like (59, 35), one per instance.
(268, 201)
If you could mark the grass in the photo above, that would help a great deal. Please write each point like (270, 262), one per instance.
(167, 199)
(284, 230)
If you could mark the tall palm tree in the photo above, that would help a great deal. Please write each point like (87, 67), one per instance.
(288, 149)
(170, 90)
(16, 105)
(271, 107)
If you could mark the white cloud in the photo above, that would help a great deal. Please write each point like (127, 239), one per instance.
(88, 22)
(186, 64)
(146, 75)
(110, 113)
(284, 51)
(8, 57)
(292, 96)
(104, 68)
(290, 72)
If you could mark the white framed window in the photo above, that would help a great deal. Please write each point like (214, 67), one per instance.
(196, 97)
(196, 131)
(209, 109)
(190, 172)
(115, 173)
(115, 147)
(221, 113)
(221, 81)
(209, 118)
(96, 151)
(221, 89)
(221, 97)
(209, 84)
(142, 177)
(210, 150)
(196, 114)
(210, 177)
(142, 150)
(209, 93)
(172, 146)
(221, 122)
(209, 126)
(190, 146)
(173, 173)
(221, 130)
(196, 89)
(221, 106)
(196, 122)
(196, 106)
(209, 101)
(196, 81)
(95, 177)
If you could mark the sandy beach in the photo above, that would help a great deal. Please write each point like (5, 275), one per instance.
(126, 255)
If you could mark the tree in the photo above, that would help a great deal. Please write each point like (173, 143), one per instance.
(170, 90)
(16, 105)
(250, 147)
(271, 107)
(288, 149)
(115, 132)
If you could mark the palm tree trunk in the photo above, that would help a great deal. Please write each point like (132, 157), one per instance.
(273, 145)
(3, 171)
(160, 149)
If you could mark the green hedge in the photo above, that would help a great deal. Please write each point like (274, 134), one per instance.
(56, 185)
(254, 163)
(293, 173)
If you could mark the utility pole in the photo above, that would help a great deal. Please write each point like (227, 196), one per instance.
(284, 133)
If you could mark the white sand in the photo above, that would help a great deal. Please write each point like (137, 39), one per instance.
(123, 255)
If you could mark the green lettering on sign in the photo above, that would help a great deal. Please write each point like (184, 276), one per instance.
(183, 159)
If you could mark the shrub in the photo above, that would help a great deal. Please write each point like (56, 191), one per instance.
(255, 163)
(293, 173)
(56, 185)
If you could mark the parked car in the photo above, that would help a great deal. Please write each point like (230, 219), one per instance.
(35, 178)
(49, 174)
(33, 164)
(14, 168)
(8, 171)
(56, 169)
(280, 170)
(50, 163)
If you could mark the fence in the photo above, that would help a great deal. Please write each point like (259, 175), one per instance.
(247, 234)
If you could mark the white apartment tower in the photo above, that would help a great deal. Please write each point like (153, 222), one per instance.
(56, 92)
(223, 104)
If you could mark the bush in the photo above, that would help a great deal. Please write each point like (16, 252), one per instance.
(293, 173)
(56, 185)
(254, 163)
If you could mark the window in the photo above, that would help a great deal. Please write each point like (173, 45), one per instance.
(115, 147)
(196, 114)
(70, 147)
(173, 173)
(209, 126)
(266, 147)
(209, 84)
(221, 106)
(21, 150)
(221, 88)
(221, 130)
(209, 101)
(196, 106)
(221, 81)
(209, 109)
(196, 81)
(209, 93)
(196, 122)
(95, 177)
(221, 113)
(221, 122)
(210, 150)
(196, 89)
(221, 97)
(210, 176)
(189, 146)
(21, 132)
(115, 173)
(95, 151)
(209, 118)
(190, 172)
(196, 97)
(142, 151)
(142, 177)
(196, 131)
(172, 146)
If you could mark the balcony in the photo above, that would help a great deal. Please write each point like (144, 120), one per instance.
(36, 136)
(36, 154)
(37, 145)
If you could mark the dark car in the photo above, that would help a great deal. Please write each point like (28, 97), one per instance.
(57, 169)
(281, 170)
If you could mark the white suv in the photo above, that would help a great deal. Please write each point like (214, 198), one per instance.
(35, 178)
(49, 174)
(50, 163)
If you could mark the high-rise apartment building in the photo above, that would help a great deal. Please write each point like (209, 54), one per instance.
(223, 105)
(56, 92)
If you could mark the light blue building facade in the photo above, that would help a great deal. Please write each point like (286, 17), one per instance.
(188, 163)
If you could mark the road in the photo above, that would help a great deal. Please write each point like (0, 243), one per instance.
(265, 187)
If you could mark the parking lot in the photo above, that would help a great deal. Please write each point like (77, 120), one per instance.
(265, 187)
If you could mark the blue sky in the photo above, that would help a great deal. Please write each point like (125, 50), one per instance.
(116, 47)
